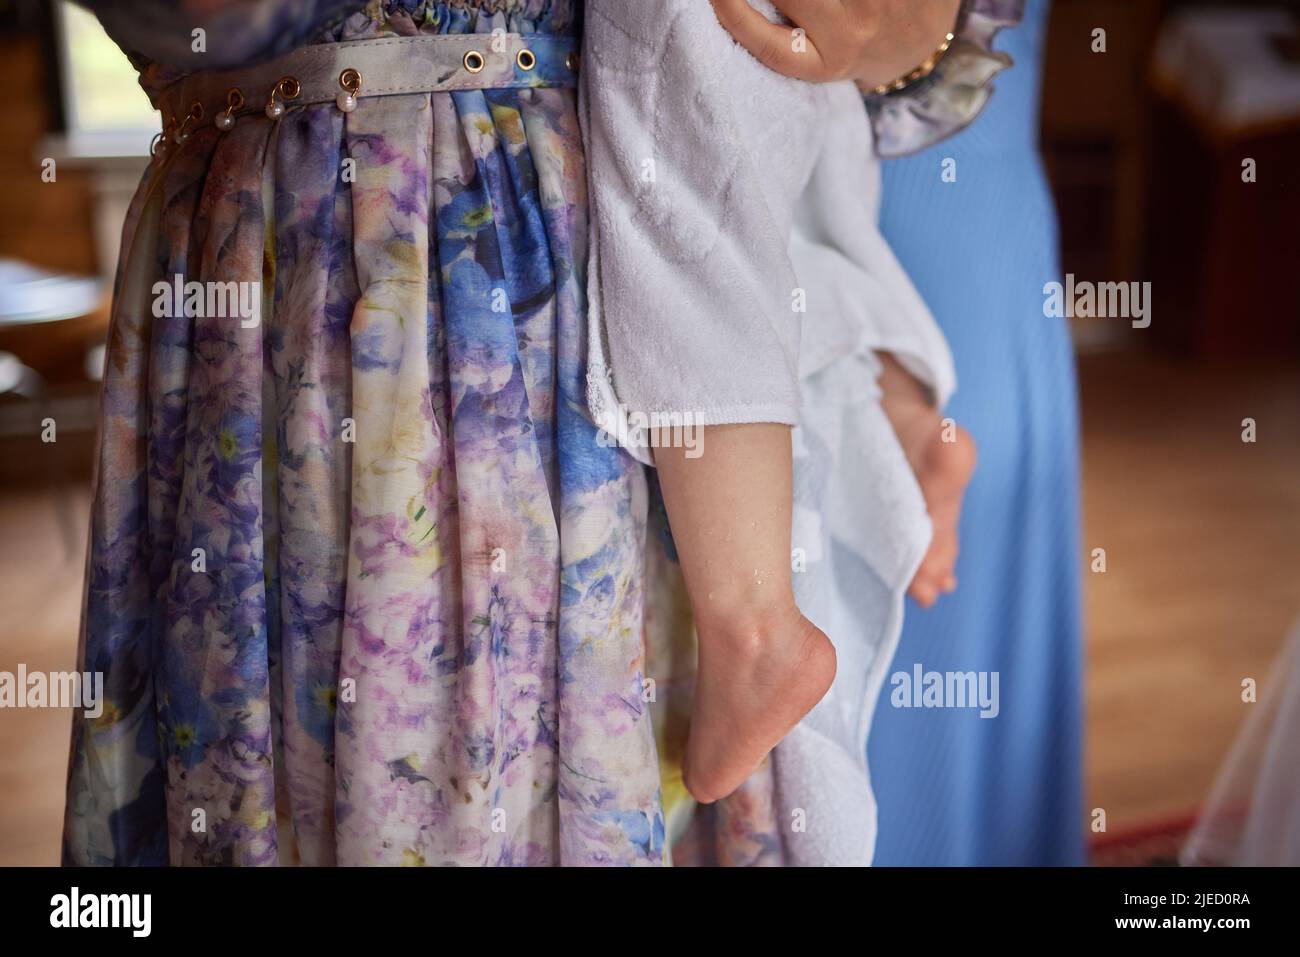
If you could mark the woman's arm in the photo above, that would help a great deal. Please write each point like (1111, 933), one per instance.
(954, 92)
(869, 41)
(879, 42)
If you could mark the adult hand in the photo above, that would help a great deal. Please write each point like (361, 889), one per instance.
(870, 41)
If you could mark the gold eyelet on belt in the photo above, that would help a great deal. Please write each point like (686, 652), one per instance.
(525, 59)
(474, 61)
(289, 87)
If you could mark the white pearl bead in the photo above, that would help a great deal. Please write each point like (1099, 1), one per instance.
(275, 109)
(225, 121)
(347, 102)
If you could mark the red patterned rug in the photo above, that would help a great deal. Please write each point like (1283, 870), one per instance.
(1154, 844)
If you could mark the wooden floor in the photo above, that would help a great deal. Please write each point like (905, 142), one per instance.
(39, 613)
(1202, 539)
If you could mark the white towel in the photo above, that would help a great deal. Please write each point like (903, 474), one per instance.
(724, 198)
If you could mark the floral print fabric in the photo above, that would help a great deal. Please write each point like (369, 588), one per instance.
(956, 91)
(364, 586)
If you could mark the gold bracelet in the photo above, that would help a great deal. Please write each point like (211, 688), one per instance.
(920, 73)
(926, 68)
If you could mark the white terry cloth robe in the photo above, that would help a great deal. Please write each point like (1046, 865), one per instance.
(736, 275)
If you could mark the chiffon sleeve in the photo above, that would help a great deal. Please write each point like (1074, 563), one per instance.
(234, 32)
(952, 96)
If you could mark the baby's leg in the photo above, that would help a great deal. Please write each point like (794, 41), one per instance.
(762, 665)
(943, 459)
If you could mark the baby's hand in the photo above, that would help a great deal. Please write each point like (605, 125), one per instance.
(943, 458)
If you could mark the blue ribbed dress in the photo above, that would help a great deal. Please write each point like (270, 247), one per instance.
(955, 788)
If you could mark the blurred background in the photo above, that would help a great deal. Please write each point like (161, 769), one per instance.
(1144, 147)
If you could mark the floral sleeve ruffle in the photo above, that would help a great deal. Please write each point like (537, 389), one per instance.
(956, 91)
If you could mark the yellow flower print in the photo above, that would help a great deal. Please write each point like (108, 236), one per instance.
(108, 717)
(479, 216)
(227, 444)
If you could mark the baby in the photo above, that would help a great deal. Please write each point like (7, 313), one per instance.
(734, 255)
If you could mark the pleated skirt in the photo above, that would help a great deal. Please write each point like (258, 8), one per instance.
(364, 585)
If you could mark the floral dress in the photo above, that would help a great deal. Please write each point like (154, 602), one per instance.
(364, 587)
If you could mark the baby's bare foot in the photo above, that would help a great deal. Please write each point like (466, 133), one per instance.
(756, 679)
(943, 470)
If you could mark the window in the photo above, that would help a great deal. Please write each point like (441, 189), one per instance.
(104, 110)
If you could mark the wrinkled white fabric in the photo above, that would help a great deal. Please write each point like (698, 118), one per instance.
(737, 275)
(1252, 815)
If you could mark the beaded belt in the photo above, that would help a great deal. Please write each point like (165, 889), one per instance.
(343, 72)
